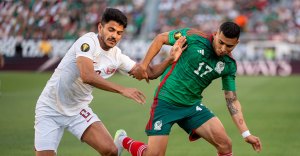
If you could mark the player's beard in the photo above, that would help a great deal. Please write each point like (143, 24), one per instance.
(112, 42)
(104, 45)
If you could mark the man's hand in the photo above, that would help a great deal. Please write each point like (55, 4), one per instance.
(134, 94)
(255, 142)
(139, 72)
(177, 49)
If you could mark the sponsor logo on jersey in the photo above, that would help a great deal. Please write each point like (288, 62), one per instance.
(198, 108)
(220, 67)
(201, 51)
(157, 125)
(85, 47)
(177, 35)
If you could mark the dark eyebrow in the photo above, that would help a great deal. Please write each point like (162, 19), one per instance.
(115, 29)
(228, 45)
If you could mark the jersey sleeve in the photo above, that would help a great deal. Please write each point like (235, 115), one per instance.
(228, 81)
(176, 34)
(85, 46)
(125, 62)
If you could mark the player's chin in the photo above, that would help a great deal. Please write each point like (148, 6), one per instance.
(111, 44)
(221, 54)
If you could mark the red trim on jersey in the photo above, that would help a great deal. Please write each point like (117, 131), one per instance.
(164, 80)
(149, 124)
(197, 32)
(154, 104)
(211, 37)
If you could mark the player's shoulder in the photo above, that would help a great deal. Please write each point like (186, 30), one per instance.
(193, 31)
(199, 37)
(181, 29)
(87, 40)
(90, 36)
(229, 59)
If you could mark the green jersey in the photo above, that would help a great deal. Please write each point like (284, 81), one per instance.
(184, 82)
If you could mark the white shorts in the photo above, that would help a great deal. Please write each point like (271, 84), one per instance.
(49, 129)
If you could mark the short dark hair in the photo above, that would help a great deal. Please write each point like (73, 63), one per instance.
(112, 14)
(230, 30)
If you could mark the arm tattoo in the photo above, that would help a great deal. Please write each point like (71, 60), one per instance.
(241, 121)
(230, 98)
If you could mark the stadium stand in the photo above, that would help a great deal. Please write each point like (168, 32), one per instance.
(43, 29)
(260, 19)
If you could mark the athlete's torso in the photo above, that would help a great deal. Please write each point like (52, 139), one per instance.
(65, 91)
(196, 68)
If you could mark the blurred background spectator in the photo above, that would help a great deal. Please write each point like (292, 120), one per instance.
(1, 61)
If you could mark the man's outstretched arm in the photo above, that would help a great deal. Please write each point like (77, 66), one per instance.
(152, 72)
(89, 76)
(235, 110)
(157, 43)
(156, 70)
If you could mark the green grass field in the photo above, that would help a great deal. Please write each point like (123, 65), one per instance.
(271, 108)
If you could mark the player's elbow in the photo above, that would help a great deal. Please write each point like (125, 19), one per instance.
(151, 73)
(152, 76)
(86, 78)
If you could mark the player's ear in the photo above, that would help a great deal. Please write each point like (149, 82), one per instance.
(100, 27)
(217, 33)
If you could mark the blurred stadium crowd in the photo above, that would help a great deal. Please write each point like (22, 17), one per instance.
(259, 19)
(41, 31)
(68, 19)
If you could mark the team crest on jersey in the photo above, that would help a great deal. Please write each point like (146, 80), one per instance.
(177, 35)
(220, 67)
(85, 47)
(157, 125)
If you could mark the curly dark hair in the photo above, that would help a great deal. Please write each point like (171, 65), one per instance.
(112, 14)
(230, 30)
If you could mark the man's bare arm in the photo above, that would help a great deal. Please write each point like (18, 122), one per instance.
(89, 76)
(235, 109)
(154, 71)
(140, 71)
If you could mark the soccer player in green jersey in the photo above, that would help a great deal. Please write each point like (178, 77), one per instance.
(178, 97)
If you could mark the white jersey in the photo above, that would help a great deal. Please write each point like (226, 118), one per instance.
(65, 92)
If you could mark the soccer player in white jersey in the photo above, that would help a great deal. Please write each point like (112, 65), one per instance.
(64, 102)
